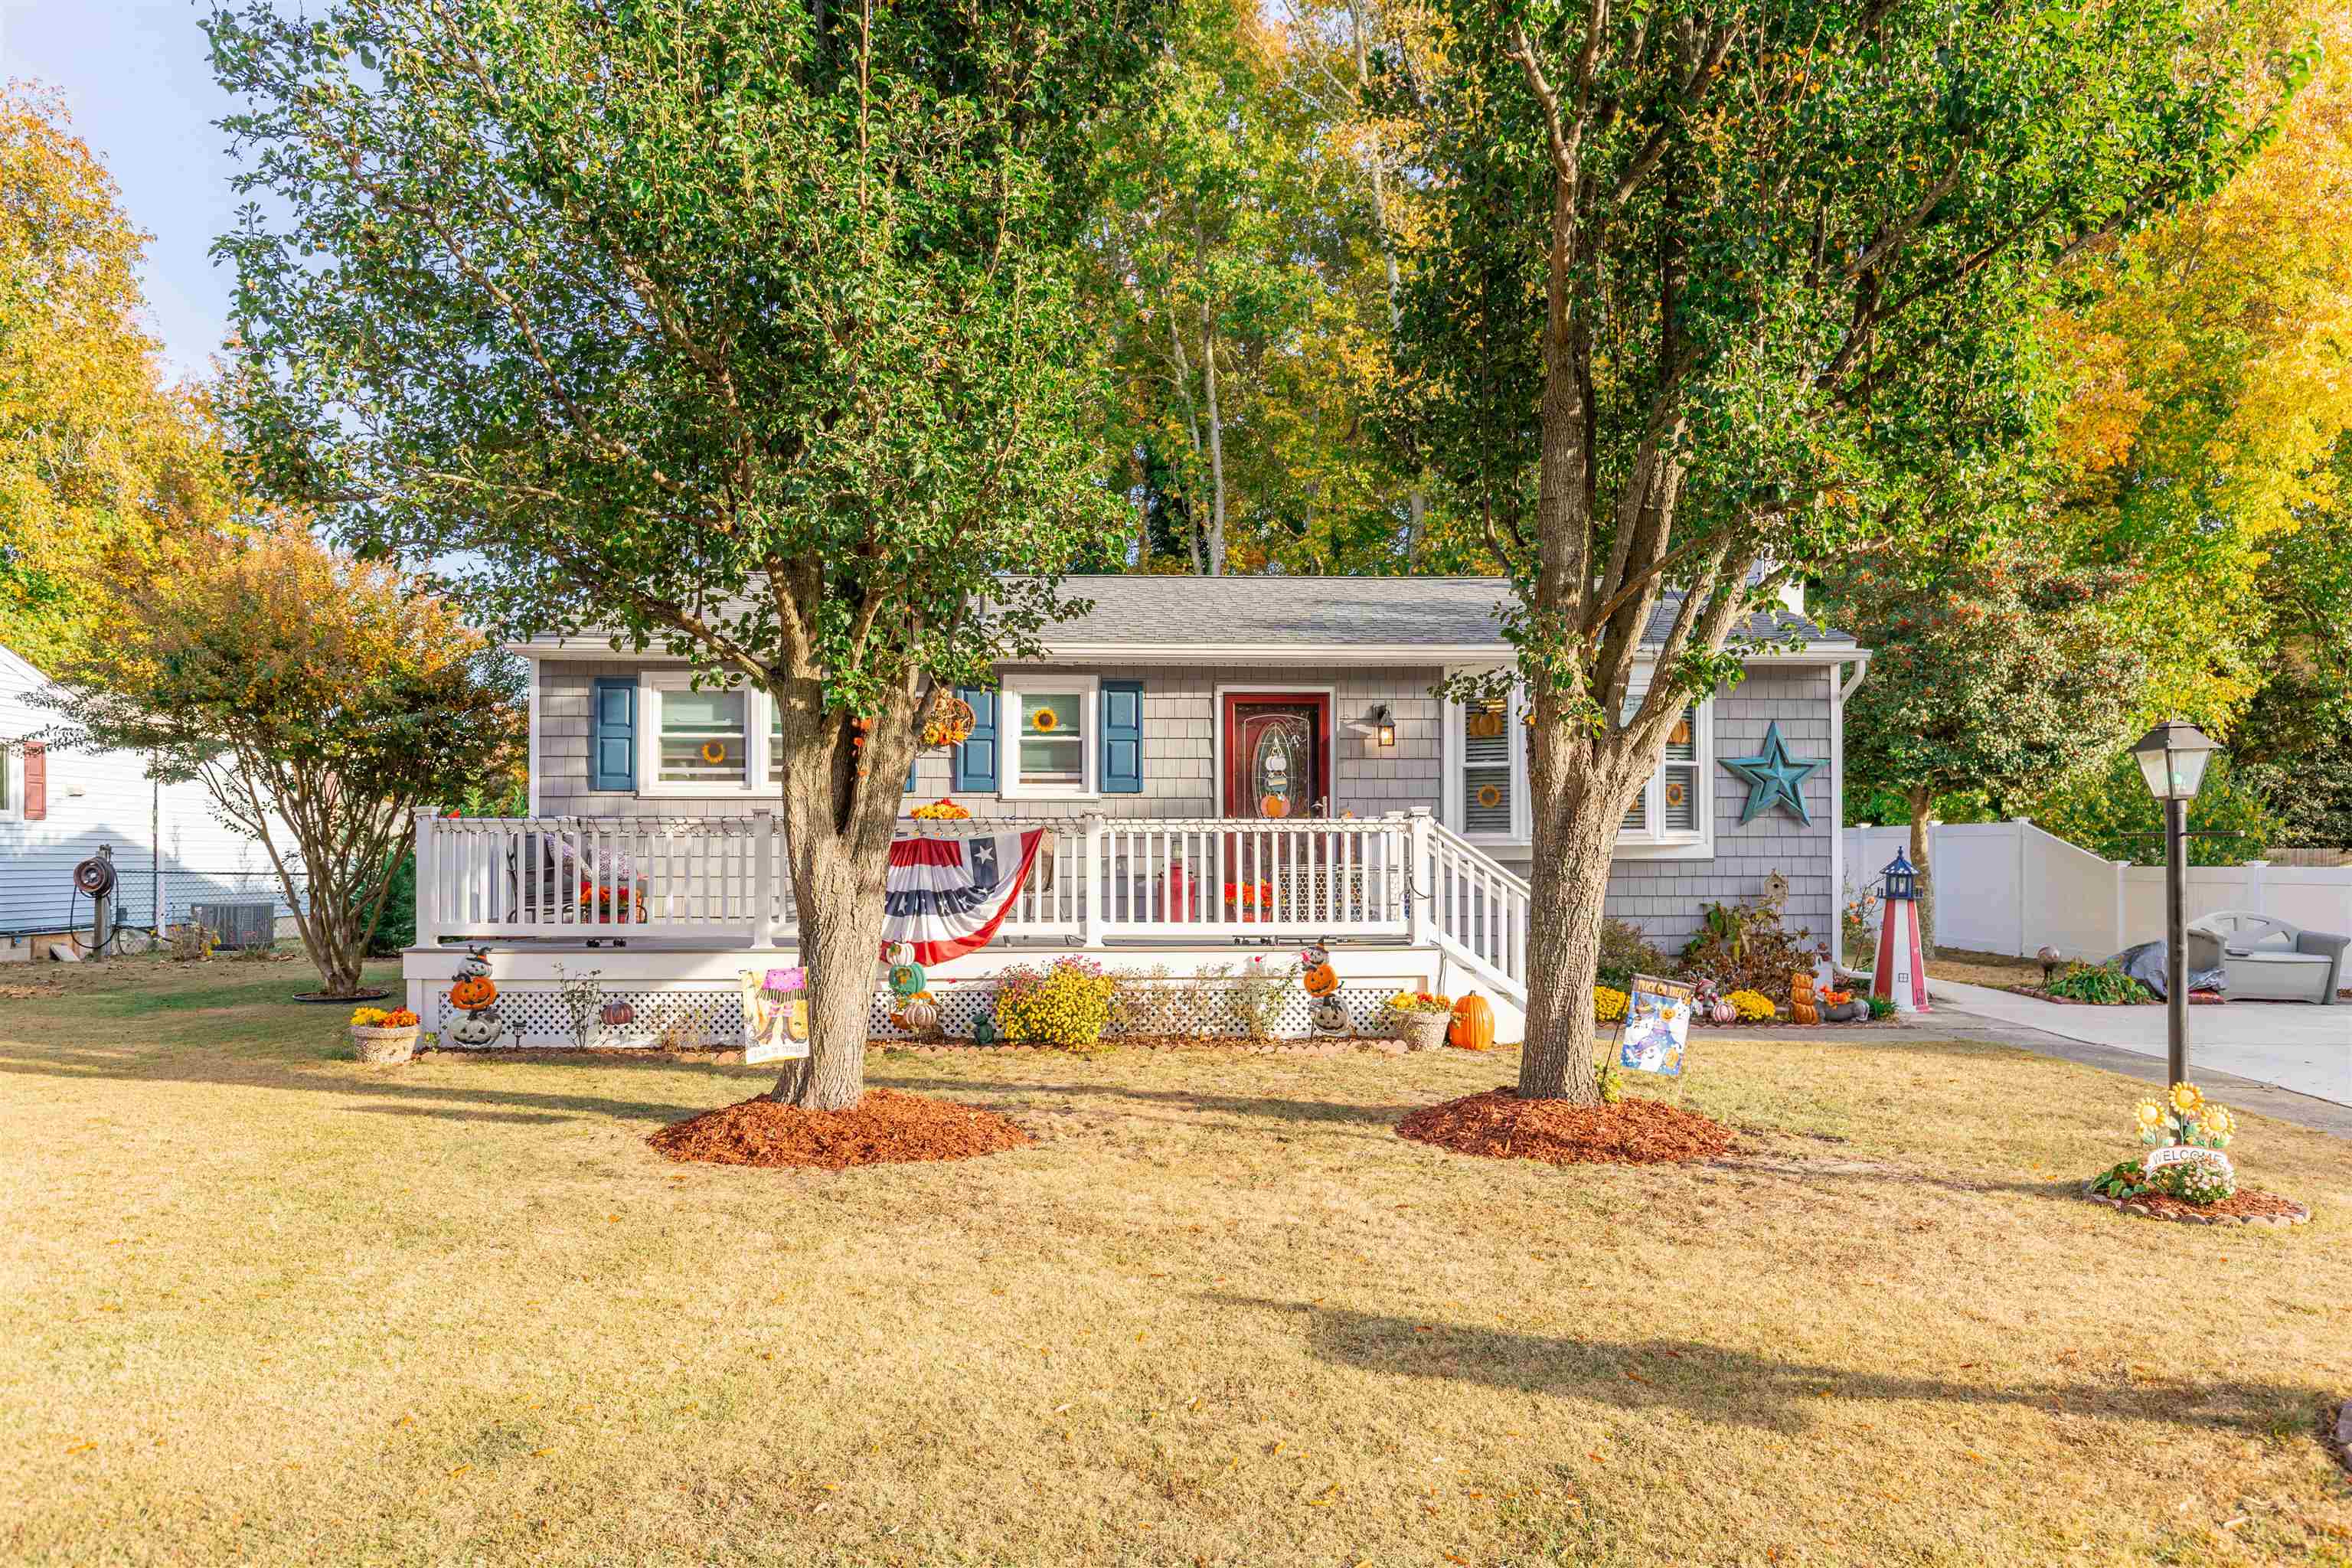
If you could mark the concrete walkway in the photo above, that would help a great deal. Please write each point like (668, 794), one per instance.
(2297, 1054)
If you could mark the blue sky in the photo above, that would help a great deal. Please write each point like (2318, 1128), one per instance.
(136, 78)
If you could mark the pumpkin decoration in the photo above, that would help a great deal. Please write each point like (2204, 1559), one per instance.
(616, 1015)
(1274, 805)
(1802, 1009)
(906, 975)
(1723, 1012)
(472, 993)
(1473, 1029)
(919, 1014)
(1321, 980)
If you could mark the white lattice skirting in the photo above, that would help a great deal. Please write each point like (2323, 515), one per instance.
(711, 1017)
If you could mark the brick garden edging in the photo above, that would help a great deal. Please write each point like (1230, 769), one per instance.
(2302, 1214)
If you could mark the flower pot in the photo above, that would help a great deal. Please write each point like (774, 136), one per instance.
(385, 1047)
(1422, 1031)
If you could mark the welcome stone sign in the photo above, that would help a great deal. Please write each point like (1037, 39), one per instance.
(2187, 1155)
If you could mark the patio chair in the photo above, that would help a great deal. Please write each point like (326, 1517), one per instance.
(2267, 960)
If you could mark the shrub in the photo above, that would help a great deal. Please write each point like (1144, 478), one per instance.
(2101, 985)
(1608, 1003)
(1753, 1006)
(1067, 1004)
(1881, 1007)
(1625, 952)
(1745, 947)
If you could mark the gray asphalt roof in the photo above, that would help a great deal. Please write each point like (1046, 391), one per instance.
(1342, 611)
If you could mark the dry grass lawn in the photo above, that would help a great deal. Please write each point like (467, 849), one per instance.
(2001, 969)
(257, 1302)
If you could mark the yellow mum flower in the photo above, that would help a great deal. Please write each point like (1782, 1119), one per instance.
(2187, 1099)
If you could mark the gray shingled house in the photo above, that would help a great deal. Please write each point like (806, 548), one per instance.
(1232, 764)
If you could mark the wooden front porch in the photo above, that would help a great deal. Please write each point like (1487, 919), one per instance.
(685, 899)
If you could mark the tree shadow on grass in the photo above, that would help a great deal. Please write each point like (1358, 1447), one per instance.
(1735, 1387)
(397, 1095)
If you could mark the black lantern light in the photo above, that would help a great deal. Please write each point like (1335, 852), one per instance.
(2172, 759)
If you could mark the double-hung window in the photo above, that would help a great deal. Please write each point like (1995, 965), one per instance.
(1670, 809)
(699, 743)
(1052, 747)
(1486, 796)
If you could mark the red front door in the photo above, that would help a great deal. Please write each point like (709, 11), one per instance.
(1277, 754)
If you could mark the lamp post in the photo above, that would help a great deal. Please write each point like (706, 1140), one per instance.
(2172, 758)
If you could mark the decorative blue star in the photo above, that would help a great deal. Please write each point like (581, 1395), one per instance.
(1773, 777)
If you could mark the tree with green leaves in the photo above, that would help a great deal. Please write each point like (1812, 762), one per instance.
(740, 329)
(106, 472)
(1994, 668)
(319, 699)
(1717, 293)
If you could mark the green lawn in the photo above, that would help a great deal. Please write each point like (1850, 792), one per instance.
(258, 1301)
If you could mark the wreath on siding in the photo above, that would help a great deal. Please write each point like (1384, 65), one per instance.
(1489, 796)
(1675, 792)
(714, 752)
(950, 724)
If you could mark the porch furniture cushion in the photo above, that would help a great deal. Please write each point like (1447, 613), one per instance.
(2267, 960)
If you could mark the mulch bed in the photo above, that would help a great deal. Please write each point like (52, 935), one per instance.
(2247, 1206)
(1633, 1132)
(888, 1127)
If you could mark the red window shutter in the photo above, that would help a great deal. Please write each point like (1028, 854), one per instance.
(37, 781)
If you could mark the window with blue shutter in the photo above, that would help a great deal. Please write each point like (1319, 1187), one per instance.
(612, 736)
(976, 758)
(1122, 737)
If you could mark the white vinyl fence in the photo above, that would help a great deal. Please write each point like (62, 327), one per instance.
(2009, 887)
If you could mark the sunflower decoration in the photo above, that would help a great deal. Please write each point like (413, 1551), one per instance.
(714, 752)
(2149, 1118)
(1045, 720)
(2187, 1099)
(1675, 792)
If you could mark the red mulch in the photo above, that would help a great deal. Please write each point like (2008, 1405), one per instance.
(1633, 1132)
(2244, 1202)
(888, 1127)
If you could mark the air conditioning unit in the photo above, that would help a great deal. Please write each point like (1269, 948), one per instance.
(237, 925)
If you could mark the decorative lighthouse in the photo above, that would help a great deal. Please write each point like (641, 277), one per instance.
(1901, 976)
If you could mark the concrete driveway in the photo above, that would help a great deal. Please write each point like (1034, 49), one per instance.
(2295, 1045)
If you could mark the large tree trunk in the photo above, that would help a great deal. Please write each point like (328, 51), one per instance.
(1922, 804)
(1573, 847)
(841, 807)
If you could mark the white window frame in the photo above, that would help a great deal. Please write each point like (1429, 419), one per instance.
(1457, 751)
(1650, 842)
(11, 781)
(651, 685)
(1088, 689)
(1655, 840)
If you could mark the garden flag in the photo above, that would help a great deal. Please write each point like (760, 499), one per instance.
(946, 896)
(1656, 1026)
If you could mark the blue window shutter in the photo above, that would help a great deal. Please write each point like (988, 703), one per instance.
(612, 740)
(908, 787)
(1122, 737)
(975, 760)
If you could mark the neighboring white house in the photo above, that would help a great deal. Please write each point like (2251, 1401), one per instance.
(58, 807)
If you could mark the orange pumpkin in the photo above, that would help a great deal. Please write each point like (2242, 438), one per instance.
(1473, 1029)
(473, 993)
(1320, 981)
(1273, 806)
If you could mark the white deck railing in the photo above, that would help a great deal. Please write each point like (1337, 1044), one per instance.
(724, 880)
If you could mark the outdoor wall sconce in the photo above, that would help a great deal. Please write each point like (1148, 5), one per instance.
(1380, 729)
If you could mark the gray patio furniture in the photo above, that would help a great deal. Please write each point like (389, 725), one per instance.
(2267, 960)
